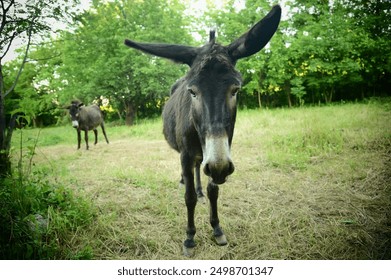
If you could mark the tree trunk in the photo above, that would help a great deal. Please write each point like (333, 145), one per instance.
(130, 113)
(119, 115)
(6, 132)
(5, 141)
(329, 96)
(5, 162)
(289, 100)
(259, 100)
(287, 89)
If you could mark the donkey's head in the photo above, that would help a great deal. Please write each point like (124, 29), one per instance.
(74, 110)
(212, 84)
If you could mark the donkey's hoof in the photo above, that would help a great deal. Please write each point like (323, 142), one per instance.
(201, 199)
(188, 252)
(221, 240)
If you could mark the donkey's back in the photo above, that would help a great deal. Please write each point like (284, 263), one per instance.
(90, 117)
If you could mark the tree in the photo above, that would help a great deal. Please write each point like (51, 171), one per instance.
(322, 51)
(95, 61)
(336, 50)
(31, 97)
(24, 20)
(373, 19)
(326, 44)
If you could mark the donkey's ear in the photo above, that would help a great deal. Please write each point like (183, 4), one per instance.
(257, 37)
(178, 53)
(80, 104)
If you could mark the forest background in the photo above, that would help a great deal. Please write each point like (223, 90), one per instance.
(323, 52)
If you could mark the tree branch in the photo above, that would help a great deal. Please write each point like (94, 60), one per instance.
(9, 45)
(45, 58)
(4, 16)
(22, 65)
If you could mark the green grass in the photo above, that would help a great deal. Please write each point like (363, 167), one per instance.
(66, 135)
(309, 183)
(296, 137)
(39, 219)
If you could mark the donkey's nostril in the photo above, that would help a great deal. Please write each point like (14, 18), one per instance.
(218, 172)
(75, 124)
(207, 170)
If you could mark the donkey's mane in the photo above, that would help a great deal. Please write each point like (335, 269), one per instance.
(212, 55)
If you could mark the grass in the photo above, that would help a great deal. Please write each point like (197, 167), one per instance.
(39, 217)
(309, 183)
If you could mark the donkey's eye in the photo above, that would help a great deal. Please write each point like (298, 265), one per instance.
(192, 93)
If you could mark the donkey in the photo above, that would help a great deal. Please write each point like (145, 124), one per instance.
(86, 118)
(199, 117)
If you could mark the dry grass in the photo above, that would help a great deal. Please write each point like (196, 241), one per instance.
(309, 184)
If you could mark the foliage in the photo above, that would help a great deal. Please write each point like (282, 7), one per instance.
(323, 51)
(23, 20)
(96, 63)
(40, 216)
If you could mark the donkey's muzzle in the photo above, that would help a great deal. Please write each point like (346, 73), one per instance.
(219, 172)
(216, 159)
(75, 124)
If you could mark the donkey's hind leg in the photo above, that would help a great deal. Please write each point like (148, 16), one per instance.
(96, 136)
(102, 125)
(191, 201)
(200, 194)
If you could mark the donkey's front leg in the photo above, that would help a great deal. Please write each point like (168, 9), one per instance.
(213, 194)
(191, 201)
(78, 138)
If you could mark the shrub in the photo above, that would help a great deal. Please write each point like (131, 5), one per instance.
(39, 217)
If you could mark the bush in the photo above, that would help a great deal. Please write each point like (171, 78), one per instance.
(38, 218)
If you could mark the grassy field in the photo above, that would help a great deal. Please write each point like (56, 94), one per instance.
(309, 183)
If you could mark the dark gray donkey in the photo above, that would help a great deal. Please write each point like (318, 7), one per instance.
(199, 117)
(86, 118)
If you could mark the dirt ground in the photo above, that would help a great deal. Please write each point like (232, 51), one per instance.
(336, 208)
